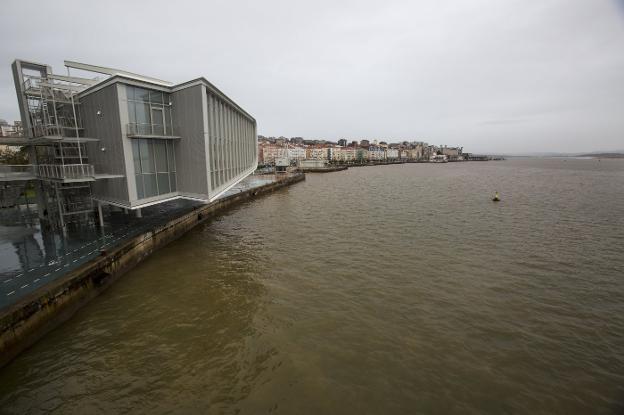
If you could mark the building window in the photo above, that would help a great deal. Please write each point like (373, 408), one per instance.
(232, 143)
(149, 112)
(154, 167)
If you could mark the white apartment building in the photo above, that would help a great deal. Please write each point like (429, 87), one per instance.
(392, 153)
(342, 154)
(297, 153)
(376, 154)
(316, 153)
(271, 152)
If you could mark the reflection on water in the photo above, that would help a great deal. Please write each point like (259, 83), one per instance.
(394, 289)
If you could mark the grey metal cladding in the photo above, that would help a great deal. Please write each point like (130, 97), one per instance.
(100, 114)
(188, 123)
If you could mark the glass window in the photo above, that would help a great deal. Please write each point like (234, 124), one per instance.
(150, 185)
(163, 183)
(156, 97)
(141, 94)
(142, 113)
(130, 92)
(136, 156)
(139, 186)
(172, 179)
(168, 123)
(157, 121)
(147, 156)
(160, 149)
(131, 111)
(171, 156)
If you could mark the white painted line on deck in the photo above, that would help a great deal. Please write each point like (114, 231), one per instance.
(75, 260)
(45, 275)
(24, 286)
(10, 279)
(82, 257)
(32, 269)
(17, 276)
(58, 269)
(36, 280)
(11, 293)
(66, 265)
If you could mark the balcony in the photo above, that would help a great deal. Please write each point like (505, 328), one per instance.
(67, 172)
(136, 130)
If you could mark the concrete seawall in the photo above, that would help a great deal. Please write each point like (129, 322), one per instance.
(328, 169)
(24, 323)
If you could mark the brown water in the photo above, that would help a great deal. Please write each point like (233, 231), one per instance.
(394, 289)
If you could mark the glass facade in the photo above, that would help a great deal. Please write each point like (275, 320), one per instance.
(232, 145)
(154, 167)
(149, 112)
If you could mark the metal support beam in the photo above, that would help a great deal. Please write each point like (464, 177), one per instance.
(100, 216)
(111, 72)
(73, 79)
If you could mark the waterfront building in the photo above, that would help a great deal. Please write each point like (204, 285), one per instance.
(271, 153)
(392, 154)
(453, 153)
(7, 130)
(342, 154)
(317, 153)
(127, 140)
(376, 153)
(296, 153)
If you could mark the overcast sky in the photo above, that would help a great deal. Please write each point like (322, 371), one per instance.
(490, 75)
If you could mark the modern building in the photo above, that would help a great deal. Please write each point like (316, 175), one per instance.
(127, 140)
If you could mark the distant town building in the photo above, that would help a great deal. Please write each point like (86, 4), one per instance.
(8, 130)
(376, 153)
(316, 153)
(392, 154)
(343, 154)
(296, 153)
(269, 153)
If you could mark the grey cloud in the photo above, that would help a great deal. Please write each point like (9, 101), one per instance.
(437, 70)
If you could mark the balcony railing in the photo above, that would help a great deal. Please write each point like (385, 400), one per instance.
(66, 171)
(143, 130)
(54, 130)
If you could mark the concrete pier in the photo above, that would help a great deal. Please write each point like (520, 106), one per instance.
(25, 322)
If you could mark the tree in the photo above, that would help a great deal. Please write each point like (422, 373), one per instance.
(9, 155)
